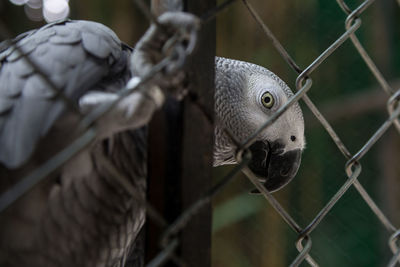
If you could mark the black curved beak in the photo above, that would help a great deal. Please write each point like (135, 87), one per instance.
(273, 167)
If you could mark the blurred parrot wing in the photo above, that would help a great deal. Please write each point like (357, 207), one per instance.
(76, 56)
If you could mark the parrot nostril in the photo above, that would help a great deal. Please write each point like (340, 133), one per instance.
(285, 172)
(293, 138)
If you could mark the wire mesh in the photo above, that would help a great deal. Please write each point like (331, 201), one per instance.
(353, 167)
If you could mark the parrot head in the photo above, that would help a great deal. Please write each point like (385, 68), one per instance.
(246, 98)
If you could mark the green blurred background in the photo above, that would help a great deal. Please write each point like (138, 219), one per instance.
(246, 230)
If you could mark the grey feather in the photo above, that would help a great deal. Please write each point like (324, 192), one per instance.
(22, 69)
(65, 36)
(11, 83)
(5, 105)
(73, 48)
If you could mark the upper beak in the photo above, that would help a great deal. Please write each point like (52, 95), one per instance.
(273, 167)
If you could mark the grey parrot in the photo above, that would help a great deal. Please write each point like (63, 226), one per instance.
(80, 215)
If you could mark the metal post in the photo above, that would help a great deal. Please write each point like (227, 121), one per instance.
(181, 143)
(198, 139)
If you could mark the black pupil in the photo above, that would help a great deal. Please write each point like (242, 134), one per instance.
(267, 99)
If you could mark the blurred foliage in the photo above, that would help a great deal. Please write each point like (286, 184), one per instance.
(247, 231)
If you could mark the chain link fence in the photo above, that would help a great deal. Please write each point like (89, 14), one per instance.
(353, 168)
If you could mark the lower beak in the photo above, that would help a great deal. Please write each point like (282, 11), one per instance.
(273, 167)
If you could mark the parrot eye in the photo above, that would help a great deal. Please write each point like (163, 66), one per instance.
(267, 100)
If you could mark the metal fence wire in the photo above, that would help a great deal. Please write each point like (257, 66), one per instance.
(353, 167)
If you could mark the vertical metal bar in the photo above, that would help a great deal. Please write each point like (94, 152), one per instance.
(181, 143)
(164, 166)
(198, 139)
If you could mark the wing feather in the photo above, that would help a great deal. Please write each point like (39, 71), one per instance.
(76, 55)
